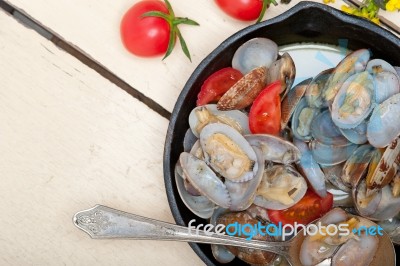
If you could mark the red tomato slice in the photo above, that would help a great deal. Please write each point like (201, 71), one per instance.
(265, 113)
(217, 84)
(309, 208)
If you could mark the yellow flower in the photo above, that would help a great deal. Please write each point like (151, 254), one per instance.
(328, 1)
(393, 5)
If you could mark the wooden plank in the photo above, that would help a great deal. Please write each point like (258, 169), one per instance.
(93, 26)
(70, 139)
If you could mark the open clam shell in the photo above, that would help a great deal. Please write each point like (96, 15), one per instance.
(228, 152)
(356, 166)
(280, 188)
(352, 63)
(357, 135)
(203, 115)
(199, 205)
(291, 100)
(314, 90)
(354, 101)
(331, 154)
(302, 120)
(377, 65)
(243, 194)
(311, 169)
(204, 179)
(284, 70)
(387, 84)
(274, 148)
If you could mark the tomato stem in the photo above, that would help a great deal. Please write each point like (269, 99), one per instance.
(265, 5)
(173, 23)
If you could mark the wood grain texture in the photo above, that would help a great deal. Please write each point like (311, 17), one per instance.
(70, 139)
(93, 26)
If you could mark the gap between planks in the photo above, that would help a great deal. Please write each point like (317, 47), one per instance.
(29, 22)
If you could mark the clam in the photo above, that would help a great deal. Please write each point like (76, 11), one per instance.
(291, 100)
(302, 119)
(357, 251)
(197, 150)
(379, 205)
(284, 70)
(357, 135)
(354, 101)
(189, 140)
(387, 167)
(204, 179)
(333, 174)
(356, 166)
(314, 90)
(243, 92)
(396, 185)
(329, 146)
(384, 125)
(331, 154)
(242, 194)
(255, 53)
(387, 84)
(199, 205)
(376, 66)
(203, 115)
(280, 188)
(220, 252)
(274, 148)
(250, 256)
(228, 152)
(352, 63)
(310, 168)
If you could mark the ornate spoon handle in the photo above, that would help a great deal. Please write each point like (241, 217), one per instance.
(105, 222)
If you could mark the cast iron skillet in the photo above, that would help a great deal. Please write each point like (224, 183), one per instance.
(305, 22)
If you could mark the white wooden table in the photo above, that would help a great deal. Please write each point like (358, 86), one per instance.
(71, 138)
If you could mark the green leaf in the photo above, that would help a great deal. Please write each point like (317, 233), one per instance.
(183, 45)
(187, 21)
(171, 43)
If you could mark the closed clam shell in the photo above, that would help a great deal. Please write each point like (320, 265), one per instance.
(326, 132)
(331, 154)
(255, 53)
(228, 152)
(243, 92)
(384, 124)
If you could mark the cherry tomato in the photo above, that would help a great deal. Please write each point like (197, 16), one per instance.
(265, 113)
(145, 36)
(241, 9)
(309, 208)
(217, 84)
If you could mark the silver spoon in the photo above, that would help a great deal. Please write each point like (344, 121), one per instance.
(104, 222)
